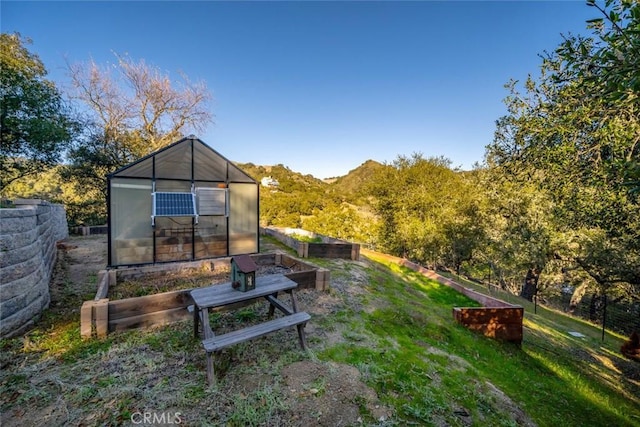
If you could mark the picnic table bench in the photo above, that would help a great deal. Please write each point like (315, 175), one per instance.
(267, 287)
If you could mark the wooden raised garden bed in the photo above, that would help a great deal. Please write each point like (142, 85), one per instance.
(104, 314)
(308, 244)
(496, 318)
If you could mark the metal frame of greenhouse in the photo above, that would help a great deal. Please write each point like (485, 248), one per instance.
(185, 202)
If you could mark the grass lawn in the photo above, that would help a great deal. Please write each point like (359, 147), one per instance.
(391, 325)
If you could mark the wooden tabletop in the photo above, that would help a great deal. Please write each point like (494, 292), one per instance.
(225, 294)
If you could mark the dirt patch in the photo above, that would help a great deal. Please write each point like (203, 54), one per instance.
(329, 395)
(75, 276)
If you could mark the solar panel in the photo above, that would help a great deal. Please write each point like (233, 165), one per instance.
(174, 204)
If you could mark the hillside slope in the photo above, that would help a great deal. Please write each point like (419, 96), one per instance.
(384, 350)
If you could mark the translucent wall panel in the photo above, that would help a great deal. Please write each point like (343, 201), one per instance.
(208, 165)
(130, 221)
(174, 162)
(174, 239)
(211, 231)
(237, 175)
(243, 218)
(173, 186)
(211, 237)
(141, 169)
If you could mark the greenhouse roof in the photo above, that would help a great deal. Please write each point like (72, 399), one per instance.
(187, 159)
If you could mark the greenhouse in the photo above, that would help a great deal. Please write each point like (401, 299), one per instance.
(184, 202)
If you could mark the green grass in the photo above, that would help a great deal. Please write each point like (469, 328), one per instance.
(552, 377)
(306, 239)
(394, 325)
(259, 407)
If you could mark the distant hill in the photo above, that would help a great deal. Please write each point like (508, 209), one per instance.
(349, 188)
(289, 181)
(355, 182)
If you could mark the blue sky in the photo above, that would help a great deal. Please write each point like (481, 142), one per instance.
(320, 86)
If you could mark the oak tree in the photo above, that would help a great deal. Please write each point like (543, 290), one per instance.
(133, 110)
(574, 132)
(36, 124)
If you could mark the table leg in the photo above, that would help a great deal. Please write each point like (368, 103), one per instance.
(301, 336)
(294, 305)
(206, 326)
(272, 308)
(211, 376)
(196, 318)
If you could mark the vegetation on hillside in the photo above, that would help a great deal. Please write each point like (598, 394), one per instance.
(36, 125)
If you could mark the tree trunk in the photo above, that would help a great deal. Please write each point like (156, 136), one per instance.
(577, 295)
(595, 306)
(530, 287)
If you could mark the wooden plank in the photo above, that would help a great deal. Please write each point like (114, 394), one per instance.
(304, 279)
(498, 323)
(221, 341)
(323, 279)
(275, 302)
(355, 252)
(265, 259)
(136, 306)
(103, 285)
(301, 248)
(149, 319)
(330, 250)
(217, 295)
(508, 332)
(86, 319)
(287, 261)
(101, 316)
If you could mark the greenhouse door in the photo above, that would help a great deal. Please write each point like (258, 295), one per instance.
(211, 237)
(243, 221)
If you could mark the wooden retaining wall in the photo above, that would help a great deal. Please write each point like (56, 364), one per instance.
(102, 315)
(495, 319)
(328, 248)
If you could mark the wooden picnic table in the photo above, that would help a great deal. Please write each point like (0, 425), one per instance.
(268, 287)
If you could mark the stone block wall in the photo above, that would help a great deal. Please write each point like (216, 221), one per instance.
(28, 236)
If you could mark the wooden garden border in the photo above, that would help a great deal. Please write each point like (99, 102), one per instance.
(329, 248)
(496, 318)
(102, 315)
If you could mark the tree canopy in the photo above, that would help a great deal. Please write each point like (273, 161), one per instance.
(36, 125)
(134, 110)
(428, 212)
(574, 133)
